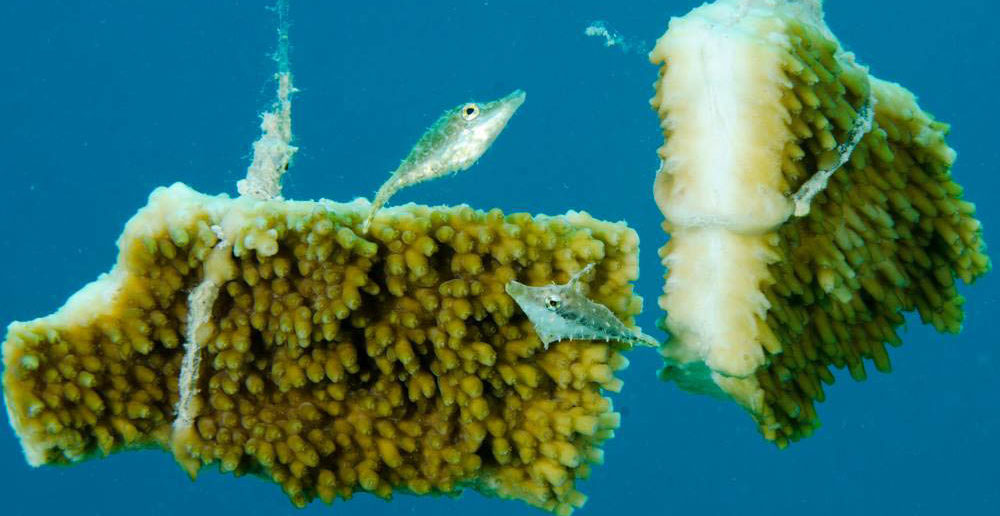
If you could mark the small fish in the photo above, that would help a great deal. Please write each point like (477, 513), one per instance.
(452, 144)
(562, 312)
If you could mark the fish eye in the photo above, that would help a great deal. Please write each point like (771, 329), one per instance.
(552, 302)
(470, 111)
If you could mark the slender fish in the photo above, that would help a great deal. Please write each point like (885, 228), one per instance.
(452, 144)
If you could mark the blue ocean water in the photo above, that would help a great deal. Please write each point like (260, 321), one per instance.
(104, 100)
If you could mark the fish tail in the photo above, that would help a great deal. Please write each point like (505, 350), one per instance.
(381, 197)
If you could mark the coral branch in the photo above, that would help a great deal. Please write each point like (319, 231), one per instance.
(331, 362)
(764, 293)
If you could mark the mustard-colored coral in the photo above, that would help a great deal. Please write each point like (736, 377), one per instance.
(755, 98)
(333, 363)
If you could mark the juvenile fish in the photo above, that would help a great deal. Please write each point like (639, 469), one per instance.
(563, 312)
(452, 144)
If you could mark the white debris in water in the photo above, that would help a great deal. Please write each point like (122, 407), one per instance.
(613, 38)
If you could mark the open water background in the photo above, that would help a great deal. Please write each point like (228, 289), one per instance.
(101, 101)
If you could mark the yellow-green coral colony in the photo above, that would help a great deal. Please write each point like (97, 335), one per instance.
(334, 363)
(757, 97)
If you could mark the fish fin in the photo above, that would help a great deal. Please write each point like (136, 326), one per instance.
(574, 280)
(512, 283)
(647, 339)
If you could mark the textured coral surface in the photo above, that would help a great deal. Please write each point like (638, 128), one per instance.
(889, 234)
(331, 362)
